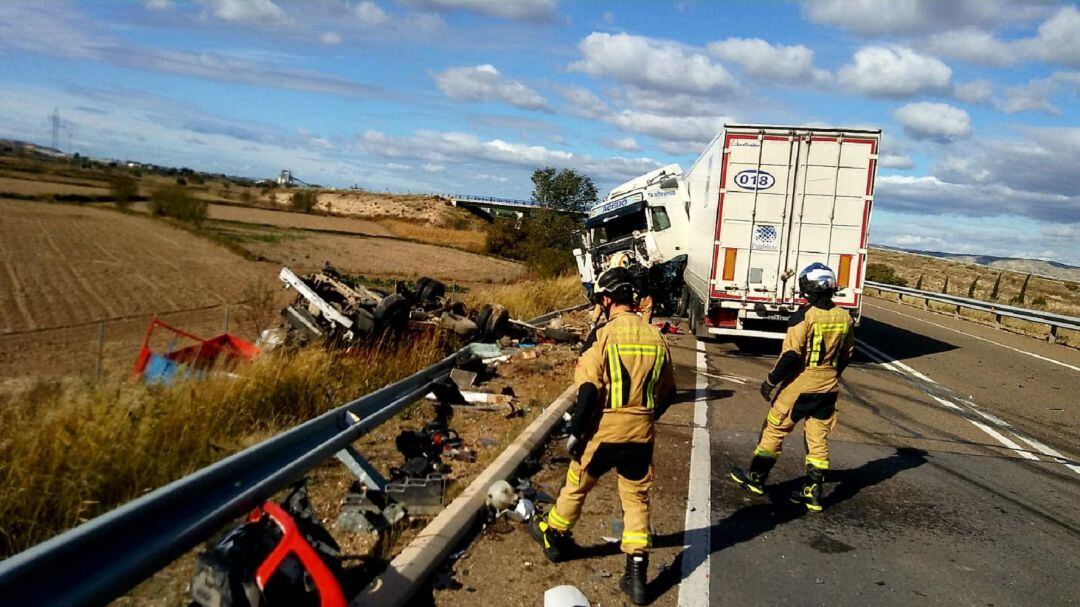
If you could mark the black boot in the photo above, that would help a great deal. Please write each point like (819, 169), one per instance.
(557, 545)
(753, 480)
(633, 580)
(810, 494)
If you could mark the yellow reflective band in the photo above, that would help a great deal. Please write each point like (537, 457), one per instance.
(772, 418)
(572, 478)
(557, 522)
(816, 343)
(766, 453)
(820, 464)
(650, 389)
(637, 539)
(615, 372)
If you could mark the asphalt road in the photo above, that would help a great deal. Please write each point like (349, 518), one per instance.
(956, 475)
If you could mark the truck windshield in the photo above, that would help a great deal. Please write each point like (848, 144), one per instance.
(619, 227)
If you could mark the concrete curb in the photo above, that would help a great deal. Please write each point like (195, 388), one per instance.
(418, 560)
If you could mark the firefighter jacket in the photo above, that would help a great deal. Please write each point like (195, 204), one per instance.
(817, 347)
(630, 365)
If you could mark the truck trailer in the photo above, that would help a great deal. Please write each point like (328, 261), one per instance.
(765, 202)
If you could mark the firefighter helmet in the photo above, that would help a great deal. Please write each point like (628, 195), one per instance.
(616, 283)
(817, 278)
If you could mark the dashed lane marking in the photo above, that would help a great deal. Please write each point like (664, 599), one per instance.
(694, 589)
(967, 409)
(989, 341)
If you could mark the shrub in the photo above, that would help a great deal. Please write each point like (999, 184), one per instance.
(885, 274)
(181, 181)
(1039, 301)
(176, 202)
(542, 240)
(124, 189)
(531, 298)
(1072, 287)
(304, 200)
(997, 285)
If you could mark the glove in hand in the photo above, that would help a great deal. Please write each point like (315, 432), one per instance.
(575, 447)
(767, 390)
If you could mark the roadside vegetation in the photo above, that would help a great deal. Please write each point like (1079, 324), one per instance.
(176, 202)
(74, 450)
(531, 298)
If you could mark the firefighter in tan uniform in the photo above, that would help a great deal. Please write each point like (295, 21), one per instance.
(643, 301)
(624, 381)
(816, 350)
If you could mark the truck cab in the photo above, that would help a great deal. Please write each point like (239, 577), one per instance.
(647, 219)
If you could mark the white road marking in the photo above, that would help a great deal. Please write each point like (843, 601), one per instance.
(963, 405)
(694, 589)
(990, 341)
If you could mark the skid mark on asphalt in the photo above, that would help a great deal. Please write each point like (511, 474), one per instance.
(968, 410)
(989, 341)
(694, 589)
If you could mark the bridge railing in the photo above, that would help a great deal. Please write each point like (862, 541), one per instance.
(1053, 321)
(471, 198)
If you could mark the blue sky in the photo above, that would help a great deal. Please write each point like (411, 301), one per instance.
(977, 98)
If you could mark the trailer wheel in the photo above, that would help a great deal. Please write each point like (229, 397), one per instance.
(483, 317)
(683, 306)
(392, 313)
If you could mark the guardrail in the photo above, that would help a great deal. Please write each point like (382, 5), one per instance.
(471, 198)
(108, 555)
(1053, 321)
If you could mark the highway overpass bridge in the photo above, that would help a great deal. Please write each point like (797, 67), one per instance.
(490, 207)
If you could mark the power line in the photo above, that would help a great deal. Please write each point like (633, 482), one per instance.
(55, 119)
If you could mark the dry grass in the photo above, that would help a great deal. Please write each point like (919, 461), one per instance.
(468, 240)
(71, 451)
(531, 298)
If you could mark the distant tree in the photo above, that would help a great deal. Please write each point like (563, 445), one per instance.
(971, 289)
(565, 190)
(1019, 299)
(124, 189)
(918, 283)
(945, 289)
(304, 200)
(997, 285)
(176, 202)
(885, 274)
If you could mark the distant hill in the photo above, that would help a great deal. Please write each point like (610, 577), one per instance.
(1051, 269)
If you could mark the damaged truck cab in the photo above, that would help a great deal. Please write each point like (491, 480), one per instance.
(645, 221)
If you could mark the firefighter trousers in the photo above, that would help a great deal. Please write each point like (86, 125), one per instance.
(819, 411)
(633, 464)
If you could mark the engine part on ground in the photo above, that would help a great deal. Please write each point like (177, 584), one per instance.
(501, 496)
(459, 324)
(365, 510)
(282, 555)
(421, 496)
(330, 307)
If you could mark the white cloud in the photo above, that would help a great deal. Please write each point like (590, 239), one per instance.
(584, 102)
(529, 10)
(247, 11)
(463, 148)
(397, 166)
(698, 129)
(431, 167)
(330, 38)
(895, 161)
(1057, 41)
(1032, 96)
(158, 5)
(369, 13)
(976, 91)
(485, 83)
(759, 58)
(891, 17)
(626, 144)
(934, 121)
(650, 63)
(880, 71)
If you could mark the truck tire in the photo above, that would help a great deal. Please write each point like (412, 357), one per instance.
(483, 317)
(392, 313)
(684, 303)
(692, 313)
(363, 322)
(497, 322)
(430, 291)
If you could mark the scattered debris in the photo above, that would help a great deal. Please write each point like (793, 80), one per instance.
(220, 353)
(501, 496)
(565, 596)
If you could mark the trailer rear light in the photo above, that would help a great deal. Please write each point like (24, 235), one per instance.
(722, 317)
(729, 264)
(844, 273)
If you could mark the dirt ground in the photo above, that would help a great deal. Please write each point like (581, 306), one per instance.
(374, 204)
(287, 219)
(386, 257)
(23, 187)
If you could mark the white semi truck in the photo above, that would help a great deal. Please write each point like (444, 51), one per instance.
(643, 223)
(760, 204)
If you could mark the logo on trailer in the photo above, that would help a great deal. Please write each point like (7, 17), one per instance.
(766, 238)
(753, 179)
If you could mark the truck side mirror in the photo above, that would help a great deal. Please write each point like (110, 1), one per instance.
(669, 184)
